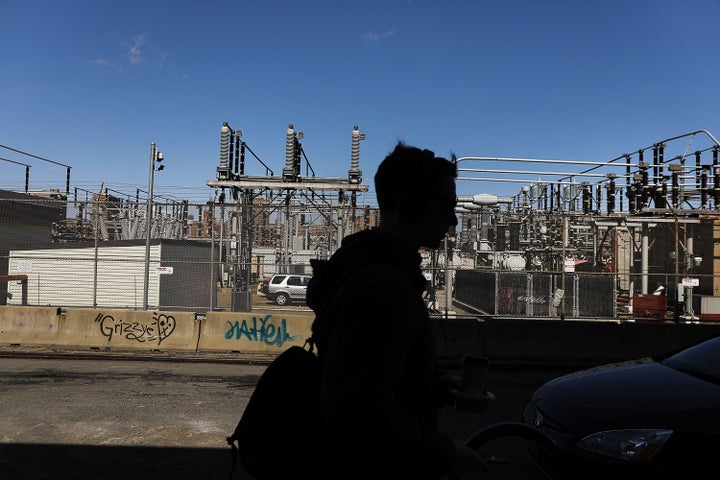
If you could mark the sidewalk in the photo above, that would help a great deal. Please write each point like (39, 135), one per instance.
(69, 353)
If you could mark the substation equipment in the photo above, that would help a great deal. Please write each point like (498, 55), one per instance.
(309, 213)
(652, 222)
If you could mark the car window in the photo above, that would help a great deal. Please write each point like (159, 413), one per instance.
(305, 281)
(277, 279)
(294, 281)
(702, 360)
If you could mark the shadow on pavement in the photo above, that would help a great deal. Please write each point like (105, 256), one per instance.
(81, 462)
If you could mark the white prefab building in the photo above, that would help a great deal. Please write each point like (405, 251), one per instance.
(112, 275)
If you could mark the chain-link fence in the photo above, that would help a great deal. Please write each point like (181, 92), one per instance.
(122, 253)
(110, 252)
(538, 294)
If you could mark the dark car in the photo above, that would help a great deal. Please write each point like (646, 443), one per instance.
(649, 418)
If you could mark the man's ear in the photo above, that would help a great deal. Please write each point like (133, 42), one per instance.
(411, 207)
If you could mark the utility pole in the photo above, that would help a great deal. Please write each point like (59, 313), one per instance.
(155, 156)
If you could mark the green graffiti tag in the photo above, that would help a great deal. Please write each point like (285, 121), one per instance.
(260, 329)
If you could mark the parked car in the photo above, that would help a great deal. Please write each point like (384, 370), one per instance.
(649, 418)
(283, 288)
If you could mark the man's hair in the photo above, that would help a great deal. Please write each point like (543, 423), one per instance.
(408, 170)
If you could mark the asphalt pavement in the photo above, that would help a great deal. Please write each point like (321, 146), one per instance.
(100, 417)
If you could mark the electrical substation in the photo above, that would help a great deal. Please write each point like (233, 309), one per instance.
(633, 236)
(640, 223)
(291, 212)
(646, 219)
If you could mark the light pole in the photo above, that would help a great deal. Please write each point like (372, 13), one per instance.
(155, 156)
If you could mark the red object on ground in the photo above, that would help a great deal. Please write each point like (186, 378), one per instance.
(649, 306)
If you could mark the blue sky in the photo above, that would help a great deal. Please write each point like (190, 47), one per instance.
(91, 84)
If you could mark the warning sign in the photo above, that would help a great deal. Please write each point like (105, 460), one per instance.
(165, 270)
(569, 264)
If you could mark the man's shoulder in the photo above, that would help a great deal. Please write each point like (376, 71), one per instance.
(379, 270)
(376, 280)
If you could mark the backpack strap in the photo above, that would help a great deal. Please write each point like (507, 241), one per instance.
(322, 325)
(234, 454)
(310, 342)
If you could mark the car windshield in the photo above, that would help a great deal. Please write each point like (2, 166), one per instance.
(701, 360)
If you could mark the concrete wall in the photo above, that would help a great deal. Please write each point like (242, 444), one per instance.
(254, 332)
(99, 329)
(272, 331)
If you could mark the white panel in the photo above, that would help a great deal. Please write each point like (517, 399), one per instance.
(67, 277)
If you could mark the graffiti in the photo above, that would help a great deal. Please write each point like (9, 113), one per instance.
(541, 300)
(161, 327)
(505, 301)
(32, 320)
(260, 329)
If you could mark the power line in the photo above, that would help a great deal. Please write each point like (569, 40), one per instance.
(35, 156)
(13, 161)
(27, 170)
(67, 177)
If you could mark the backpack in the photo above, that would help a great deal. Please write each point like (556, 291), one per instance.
(273, 438)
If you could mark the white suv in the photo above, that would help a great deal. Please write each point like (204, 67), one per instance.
(283, 288)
